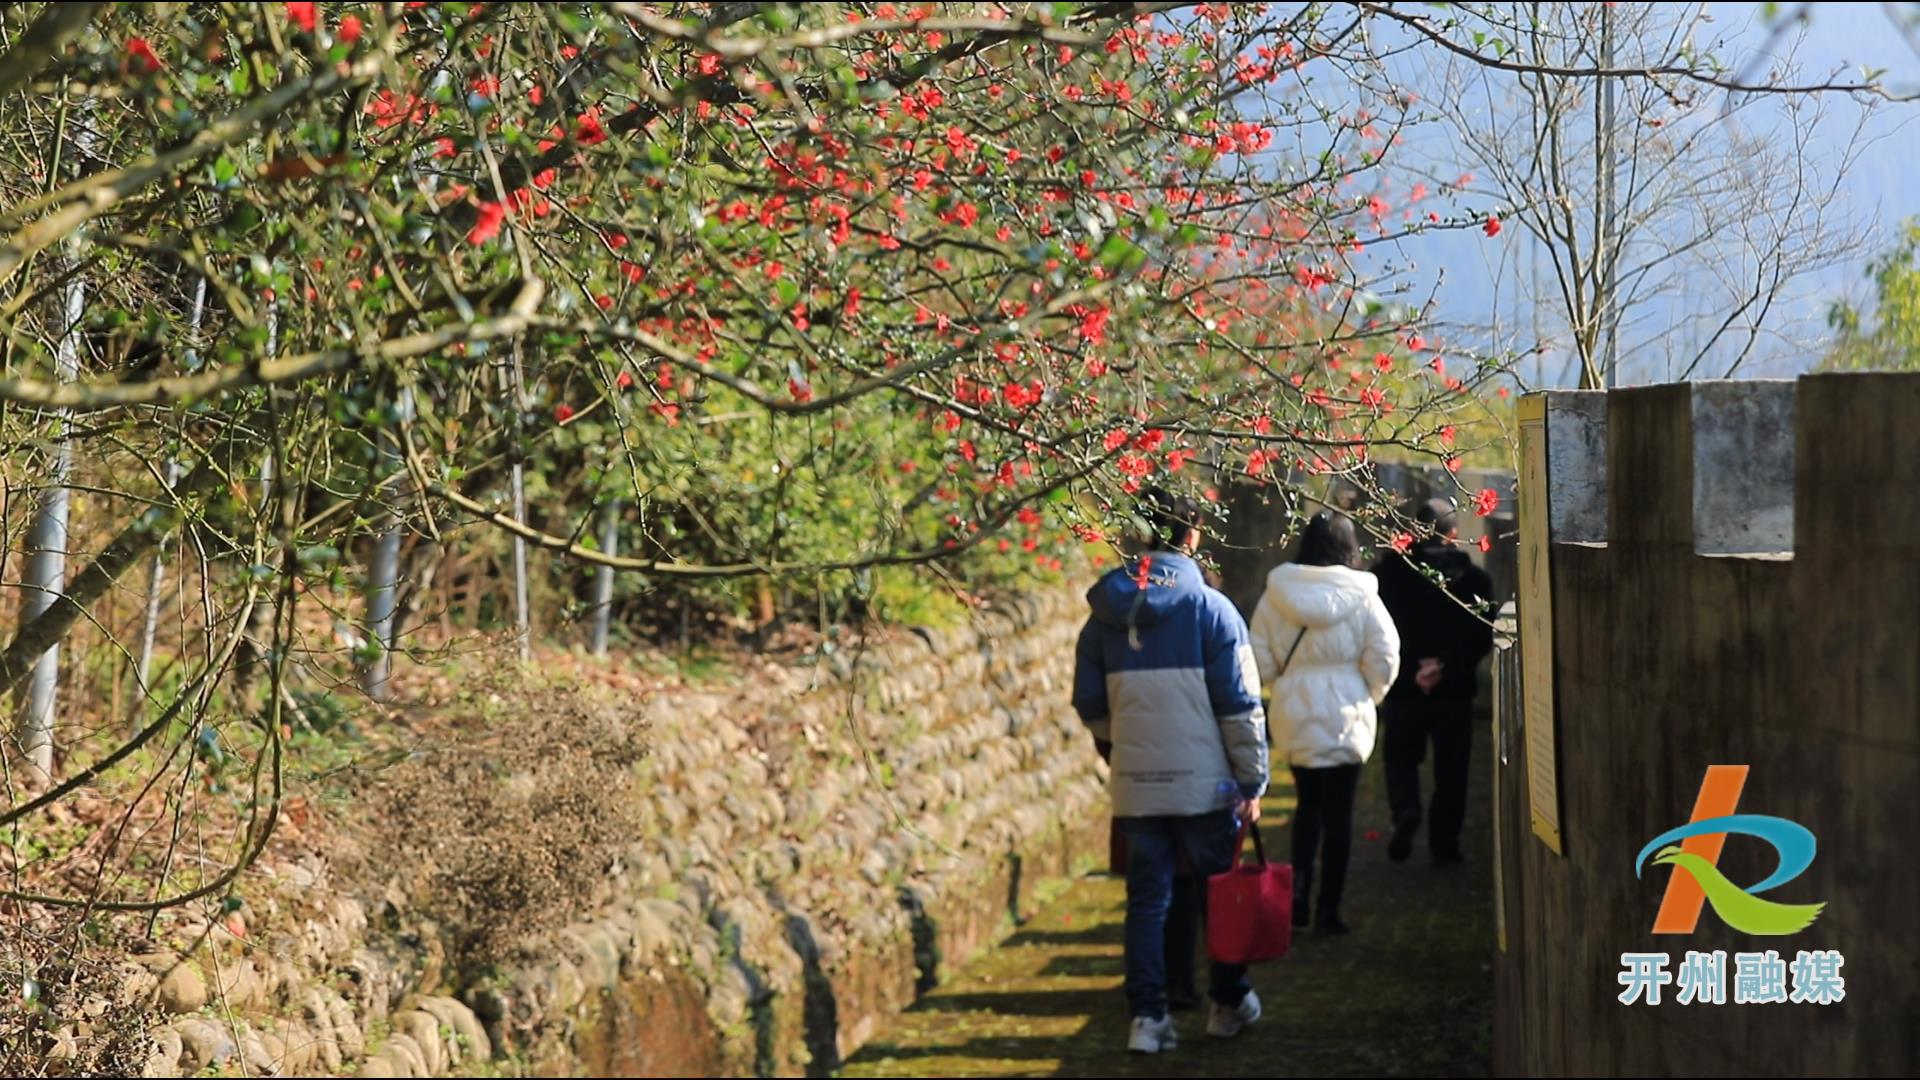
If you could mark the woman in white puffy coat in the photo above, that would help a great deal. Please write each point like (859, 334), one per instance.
(1328, 652)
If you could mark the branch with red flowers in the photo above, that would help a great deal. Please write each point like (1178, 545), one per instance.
(718, 89)
(736, 48)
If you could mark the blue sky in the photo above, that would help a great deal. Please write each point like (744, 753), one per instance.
(1876, 194)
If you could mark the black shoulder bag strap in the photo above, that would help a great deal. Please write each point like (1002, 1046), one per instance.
(1288, 662)
(1284, 665)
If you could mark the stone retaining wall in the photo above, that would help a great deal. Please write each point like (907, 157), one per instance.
(820, 845)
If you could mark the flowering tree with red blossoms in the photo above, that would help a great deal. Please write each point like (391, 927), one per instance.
(698, 293)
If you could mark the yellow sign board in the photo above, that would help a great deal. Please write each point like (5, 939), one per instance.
(1536, 625)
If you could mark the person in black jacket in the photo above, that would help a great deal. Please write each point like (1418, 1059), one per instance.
(1442, 638)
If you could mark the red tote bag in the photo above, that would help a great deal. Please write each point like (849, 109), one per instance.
(1250, 908)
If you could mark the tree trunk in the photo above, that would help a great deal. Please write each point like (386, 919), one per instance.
(522, 624)
(150, 624)
(603, 578)
(383, 575)
(46, 570)
(141, 536)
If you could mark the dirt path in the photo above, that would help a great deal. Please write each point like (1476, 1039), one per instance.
(1409, 992)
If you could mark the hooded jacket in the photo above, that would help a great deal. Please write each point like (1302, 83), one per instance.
(1432, 623)
(1164, 672)
(1323, 704)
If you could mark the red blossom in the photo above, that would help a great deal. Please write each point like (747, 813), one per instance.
(301, 15)
(1093, 325)
(487, 225)
(350, 28)
(388, 109)
(801, 392)
(1492, 227)
(140, 57)
(588, 130)
(1403, 542)
(1486, 502)
(562, 413)
(624, 380)
(1486, 543)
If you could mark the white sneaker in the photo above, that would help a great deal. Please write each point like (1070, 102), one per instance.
(1225, 1023)
(1150, 1036)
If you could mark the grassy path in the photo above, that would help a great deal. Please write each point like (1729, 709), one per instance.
(1409, 992)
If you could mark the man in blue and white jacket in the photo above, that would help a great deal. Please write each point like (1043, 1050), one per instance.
(1165, 675)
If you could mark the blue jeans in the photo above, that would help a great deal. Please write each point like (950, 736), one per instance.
(1152, 845)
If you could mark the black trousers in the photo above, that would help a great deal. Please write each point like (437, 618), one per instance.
(1411, 724)
(1323, 826)
(1183, 937)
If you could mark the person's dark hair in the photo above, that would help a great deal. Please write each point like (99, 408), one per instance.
(1436, 516)
(1329, 540)
(1168, 517)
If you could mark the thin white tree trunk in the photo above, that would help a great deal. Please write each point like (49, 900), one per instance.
(522, 625)
(522, 621)
(150, 625)
(603, 578)
(384, 574)
(157, 575)
(260, 616)
(46, 570)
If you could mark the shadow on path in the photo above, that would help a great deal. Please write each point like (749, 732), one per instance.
(1409, 992)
